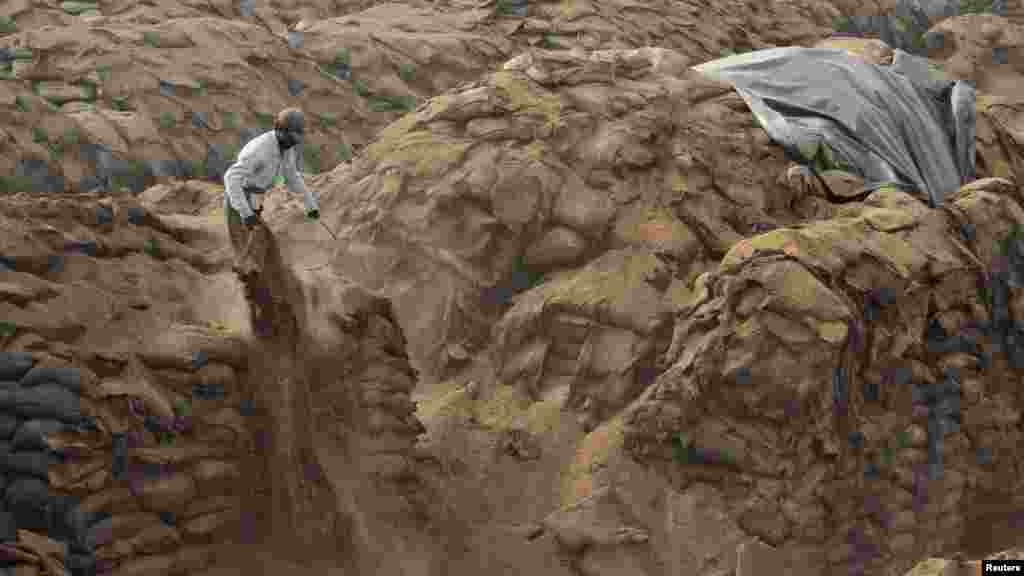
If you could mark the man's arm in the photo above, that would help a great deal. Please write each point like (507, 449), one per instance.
(234, 183)
(296, 183)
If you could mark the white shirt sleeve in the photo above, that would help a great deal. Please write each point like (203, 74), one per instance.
(295, 181)
(234, 184)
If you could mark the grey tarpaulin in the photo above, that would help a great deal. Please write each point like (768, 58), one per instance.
(904, 124)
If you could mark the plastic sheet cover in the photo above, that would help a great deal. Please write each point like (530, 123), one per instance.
(904, 124)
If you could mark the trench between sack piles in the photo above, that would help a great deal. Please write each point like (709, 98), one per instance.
(295, 513)
(94, 482)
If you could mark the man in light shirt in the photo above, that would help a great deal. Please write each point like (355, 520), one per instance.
(257, 259)
(271, 154)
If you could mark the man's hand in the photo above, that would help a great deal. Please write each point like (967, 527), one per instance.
(252, 221)
(313, 214)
